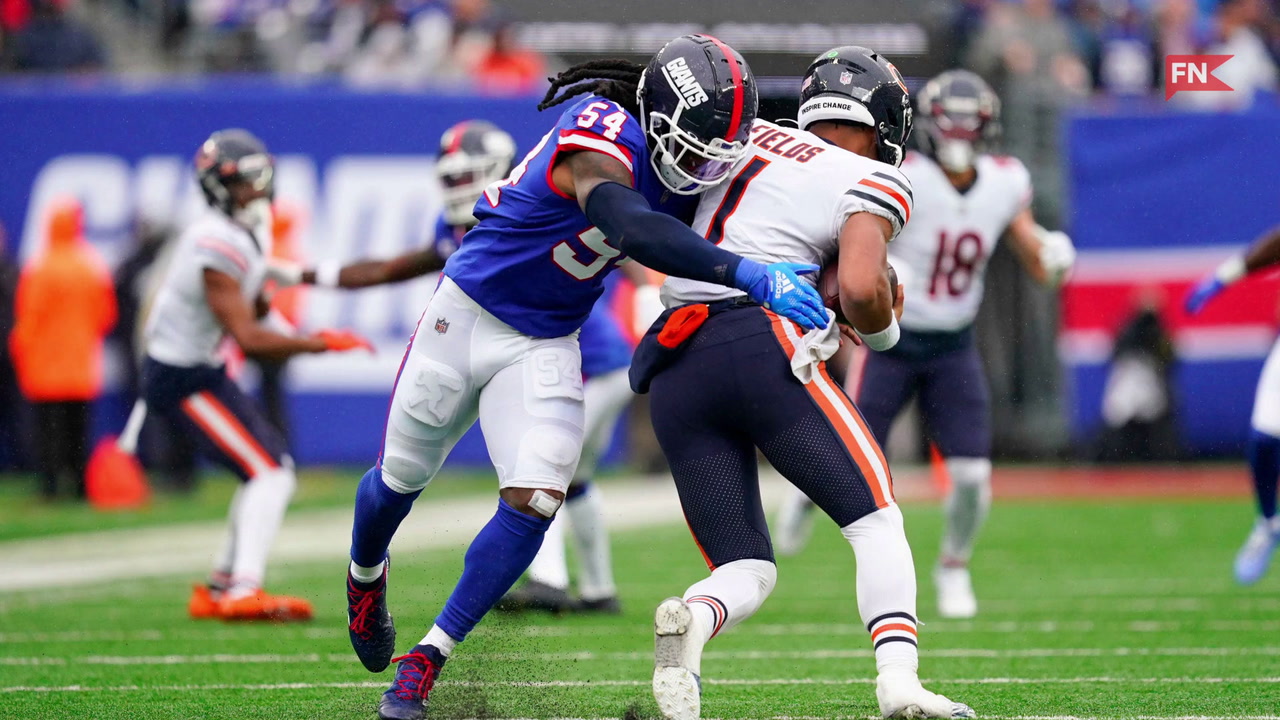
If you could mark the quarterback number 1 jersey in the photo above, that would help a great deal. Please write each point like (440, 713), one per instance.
(787, 200)
(534, 260)
(941, 257)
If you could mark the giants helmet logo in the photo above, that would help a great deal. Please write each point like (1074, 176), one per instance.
(682, 79)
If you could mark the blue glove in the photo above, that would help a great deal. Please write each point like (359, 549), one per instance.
(1202, 293)
(779, 288)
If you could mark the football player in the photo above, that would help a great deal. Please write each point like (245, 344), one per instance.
(727, 377)
(211, 289)
(967, 199)
(1264, 441)
(498, 340)
(473, 155)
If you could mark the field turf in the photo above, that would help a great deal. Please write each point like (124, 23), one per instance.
(1089, 608)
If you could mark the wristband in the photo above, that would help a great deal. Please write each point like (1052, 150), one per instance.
(327, 274)
(884, 339)
(1231, 270)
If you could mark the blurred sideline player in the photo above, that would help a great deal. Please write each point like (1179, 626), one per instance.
(473, 155)
(729, 377)
(1263, 449)
(966, 199)
(211, 289)
(498, 339)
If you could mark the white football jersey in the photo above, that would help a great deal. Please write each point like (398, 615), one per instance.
(941, 256)
(786, 200)
(181, 329)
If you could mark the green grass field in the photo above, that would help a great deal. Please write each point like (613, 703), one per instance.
(1100, 608)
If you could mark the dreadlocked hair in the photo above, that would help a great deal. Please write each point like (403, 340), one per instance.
(616, 80)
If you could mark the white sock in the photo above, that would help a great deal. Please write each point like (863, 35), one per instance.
(966, 507)
(733, 593)
(585, 511)
(440, 640)
(548, 566)
(886, 588)
(222, 562)
(367, 574)
(262, 505)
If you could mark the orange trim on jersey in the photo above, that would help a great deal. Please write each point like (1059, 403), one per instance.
(906, 207)
(255, 450)
(833, 416)
(892, 626)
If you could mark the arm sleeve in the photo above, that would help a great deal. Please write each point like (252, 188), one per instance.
(886, 192)
(655, 240)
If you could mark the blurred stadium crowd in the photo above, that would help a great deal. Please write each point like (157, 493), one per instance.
(1080, 46)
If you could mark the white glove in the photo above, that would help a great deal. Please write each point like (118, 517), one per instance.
(1057, 256)
(646, 308)
(284, 272)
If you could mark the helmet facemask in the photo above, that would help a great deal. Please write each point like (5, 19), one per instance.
(686, 164)
(464, 178)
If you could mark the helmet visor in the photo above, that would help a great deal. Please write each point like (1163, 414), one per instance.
(686, 164)
(258, 172)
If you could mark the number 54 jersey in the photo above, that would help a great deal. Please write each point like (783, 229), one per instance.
(535, 261)
(941, 255)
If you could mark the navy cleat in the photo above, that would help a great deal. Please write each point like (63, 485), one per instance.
(534, 595)
(406, 699)
(369, 624)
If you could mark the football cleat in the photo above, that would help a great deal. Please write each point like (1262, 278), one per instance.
(203, 604)
(416, 674)
(369, 623)
(956, 600)
(902, 696)
(676, 688)
(534, 595)
(605, 605)
(261, 606)
(1254, 558)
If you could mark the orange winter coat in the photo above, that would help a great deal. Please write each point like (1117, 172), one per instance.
(65, 306)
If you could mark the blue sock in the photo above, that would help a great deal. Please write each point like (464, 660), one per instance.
(496, 559)
(379, 511)
(1264, 459)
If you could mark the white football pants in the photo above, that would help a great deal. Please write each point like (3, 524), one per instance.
(464, 362)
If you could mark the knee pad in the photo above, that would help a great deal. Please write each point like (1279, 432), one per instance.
(969, 471)
(886, 518)
(546, 459)
(763, 572)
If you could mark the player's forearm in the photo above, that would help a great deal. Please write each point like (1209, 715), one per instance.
(1024, 232)
(258, 341)
(1264, 252)
(867, 300)
(368, 273)
(656, 240)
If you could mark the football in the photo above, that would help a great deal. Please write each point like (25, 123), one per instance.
(829, 288)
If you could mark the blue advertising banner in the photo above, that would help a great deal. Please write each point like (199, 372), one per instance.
(1158, 201)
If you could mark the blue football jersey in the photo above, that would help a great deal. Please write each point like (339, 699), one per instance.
(535, 261)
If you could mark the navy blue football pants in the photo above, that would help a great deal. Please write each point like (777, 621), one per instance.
(732, 391)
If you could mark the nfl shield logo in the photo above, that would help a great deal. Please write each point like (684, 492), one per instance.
(442, 325)
(846, 77)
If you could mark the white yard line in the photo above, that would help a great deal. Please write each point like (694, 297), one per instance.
(96, 557)
(586, 655)
(933, 627)
(729, 682)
